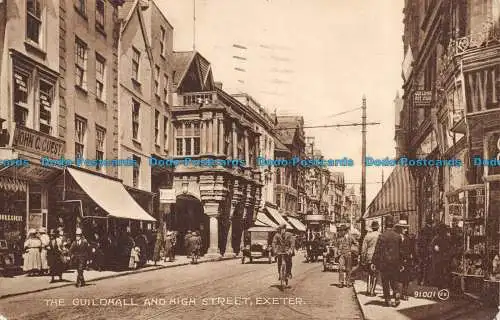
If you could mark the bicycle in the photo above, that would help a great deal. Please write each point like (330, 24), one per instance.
(283, 272)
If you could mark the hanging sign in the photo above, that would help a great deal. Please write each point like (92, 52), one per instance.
(167, 195)
(422, 99)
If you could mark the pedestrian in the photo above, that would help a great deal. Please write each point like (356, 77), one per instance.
(141, 241)
(32, 257)
(424, 254)
(187, 243)
(158, 246)
(441, 257)
(387, 259)
(368, 248)
(346, 245)
(54, 257)
(79, 251)
(195, 245)
(45, 239)
(169, 246)
(407, 257)
(64, 244)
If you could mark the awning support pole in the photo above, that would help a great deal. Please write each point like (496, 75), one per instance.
(64, 184)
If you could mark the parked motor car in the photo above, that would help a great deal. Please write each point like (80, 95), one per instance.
(260, 246)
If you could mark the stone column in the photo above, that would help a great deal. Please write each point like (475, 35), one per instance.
(210, 136)
(247, 154)
(229, 243)
(203, 139)
(235, 141)
(212, 211)
(221, 136)
(214, 135)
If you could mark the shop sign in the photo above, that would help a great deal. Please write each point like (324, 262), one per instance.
(37, 142)
(483, 89)
(10, 217)
(422, 99)
(167, 196)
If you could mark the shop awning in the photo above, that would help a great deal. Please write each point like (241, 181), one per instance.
(262, 218)
(297, 224)
(261, 229)
(110, 195)
(396, 195)
(278, 217)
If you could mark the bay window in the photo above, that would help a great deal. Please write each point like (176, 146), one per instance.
(187, 138)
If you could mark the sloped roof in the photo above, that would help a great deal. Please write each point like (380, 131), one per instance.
(125, 9)
(279, 146)
(180, 62)
(291, 123)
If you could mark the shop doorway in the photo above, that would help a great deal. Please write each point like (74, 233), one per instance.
(187, 215)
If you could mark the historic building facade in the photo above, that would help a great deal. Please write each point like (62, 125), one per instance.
(216, 140)
(32, 122)
(265, 124)
(289, 143)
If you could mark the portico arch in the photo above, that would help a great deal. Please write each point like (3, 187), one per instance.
(188, 214)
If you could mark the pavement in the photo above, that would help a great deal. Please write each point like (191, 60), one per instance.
(224, 290)
(22, 284)
(454, 307)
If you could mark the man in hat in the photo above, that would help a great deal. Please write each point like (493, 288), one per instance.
(283, 244)
(387, 259)
(80, 251)
(407, 257)
(42, 232)
(368, 248)
(345, 244)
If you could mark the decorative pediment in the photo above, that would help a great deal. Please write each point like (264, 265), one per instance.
(192, 72)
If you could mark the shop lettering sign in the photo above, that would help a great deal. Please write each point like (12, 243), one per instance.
(482, 89)
(10, 217)
(37, 142)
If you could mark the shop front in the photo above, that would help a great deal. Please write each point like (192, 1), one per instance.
(97, 204)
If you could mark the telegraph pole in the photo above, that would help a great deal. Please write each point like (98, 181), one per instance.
(363, 167)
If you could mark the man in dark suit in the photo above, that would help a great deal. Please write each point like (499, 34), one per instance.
(79, 251)
(387, 259)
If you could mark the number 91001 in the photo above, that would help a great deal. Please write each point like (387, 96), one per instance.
(425, 294)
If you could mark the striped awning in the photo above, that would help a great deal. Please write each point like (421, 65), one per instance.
(396, 195)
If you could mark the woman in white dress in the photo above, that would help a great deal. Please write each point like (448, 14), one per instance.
(32, 257)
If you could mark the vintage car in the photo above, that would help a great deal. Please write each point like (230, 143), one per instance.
(8, 260)
(314, 249)
(260, 246)
(331, 259)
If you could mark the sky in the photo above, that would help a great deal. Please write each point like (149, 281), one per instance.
(314, 58)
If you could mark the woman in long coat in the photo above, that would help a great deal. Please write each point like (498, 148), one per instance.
(158, 247)
(168, 247)
(43, 253)
(32, 257)
(54, 257)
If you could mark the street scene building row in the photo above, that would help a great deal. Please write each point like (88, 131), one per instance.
(101, 80)
(450, 110)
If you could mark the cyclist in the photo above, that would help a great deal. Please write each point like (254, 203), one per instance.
(283, 246)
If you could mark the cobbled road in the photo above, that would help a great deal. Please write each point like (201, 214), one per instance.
(219, 291)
